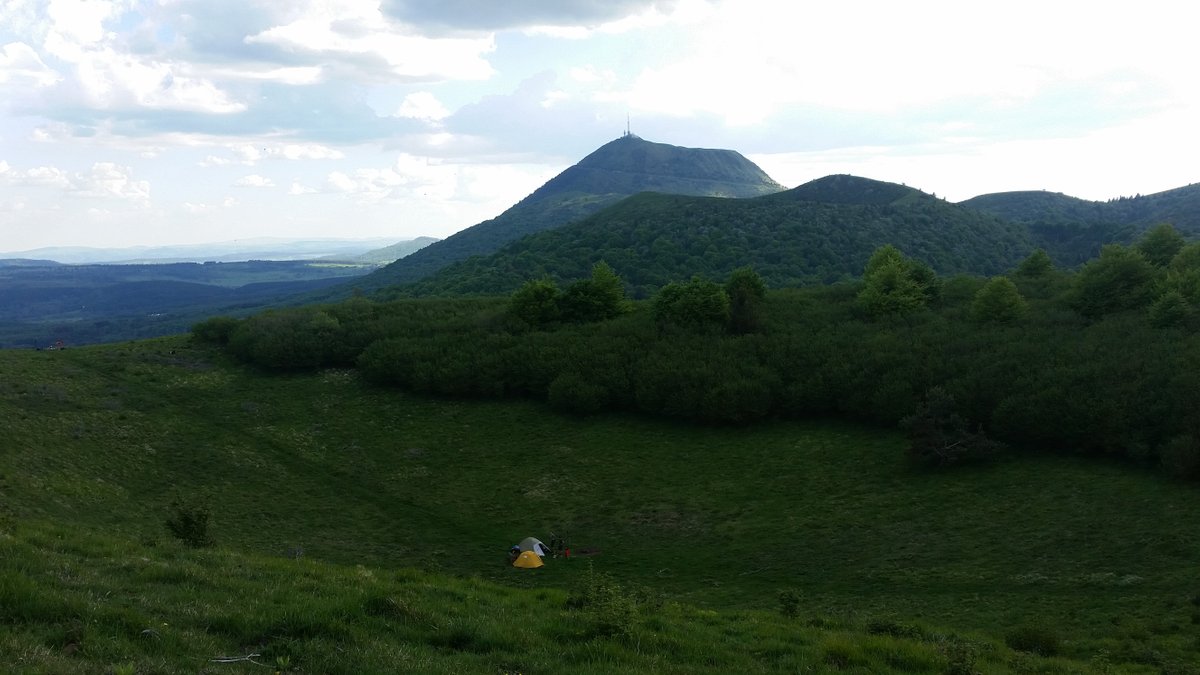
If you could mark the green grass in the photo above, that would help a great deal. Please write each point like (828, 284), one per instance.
(102, 440)
(75, 602)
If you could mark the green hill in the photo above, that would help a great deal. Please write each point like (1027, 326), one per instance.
(72, 601)
(616, 170)
(100, 441)
(822, 231)
(1072, 230)
(387, 254)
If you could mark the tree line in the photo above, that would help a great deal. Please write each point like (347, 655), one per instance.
(1102, 360)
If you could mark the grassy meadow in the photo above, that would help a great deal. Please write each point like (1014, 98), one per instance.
(404, 508)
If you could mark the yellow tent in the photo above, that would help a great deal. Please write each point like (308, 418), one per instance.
(528, 560)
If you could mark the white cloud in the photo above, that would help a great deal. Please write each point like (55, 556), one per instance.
(422, 105)
(409, 176)
(357, 36)
(101, 72)
(107, 179)
(250, 154)
(295, 75)
(193, 207)
(40, 176)
(103, 180)
(255, 181)
(591, 75)
(20, 64)
(747, 61)
(300, 189)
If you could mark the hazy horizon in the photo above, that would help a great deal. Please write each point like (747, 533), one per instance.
(189, 122)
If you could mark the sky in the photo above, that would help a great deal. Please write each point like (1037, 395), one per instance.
(155, 122)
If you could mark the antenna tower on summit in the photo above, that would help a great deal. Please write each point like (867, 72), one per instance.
(628, 133)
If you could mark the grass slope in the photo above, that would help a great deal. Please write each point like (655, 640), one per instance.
(75, 602)
(104, 438)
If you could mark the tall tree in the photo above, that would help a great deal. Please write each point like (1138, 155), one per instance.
(746, 291)
(698, 305)
(1038, 264)
(1120, 279)
(895, 285)
(1160, 244)
(536, 302)
(998, 301)
(595, 299)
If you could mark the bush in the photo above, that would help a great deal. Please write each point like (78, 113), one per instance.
(189, 524)
(1181, 457)
(571, 392)
(695, 306)
(610, 609)
(789, 603)
(938, 436)
(1040, 640)
(215, 331)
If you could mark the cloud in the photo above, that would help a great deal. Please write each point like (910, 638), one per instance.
(361, 41)
(249, 154)
(301, 189)
(41, 176)
(254, 181)
(107, 179)
(409, 176)
(193, 207)
(422, 105)
(103, 180)
(21, 65)
(488, 15)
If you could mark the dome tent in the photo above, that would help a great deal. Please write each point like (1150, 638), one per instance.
(528, 560)
(534, 544)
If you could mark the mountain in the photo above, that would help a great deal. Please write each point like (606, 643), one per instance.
(392, 253)
(241, 250)
(616, 170)
(822, 231)
(105, 303)
(1072, 230)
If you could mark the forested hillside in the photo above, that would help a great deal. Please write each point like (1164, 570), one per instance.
(616, 170)
(1100, 361)
(42, 303)
(820, 232)
(1073, 230)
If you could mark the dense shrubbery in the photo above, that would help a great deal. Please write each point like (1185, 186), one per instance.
(1009, 358)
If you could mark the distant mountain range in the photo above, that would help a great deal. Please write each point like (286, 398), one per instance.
(618, 169)
(1072, 230)
(655, 212)
(387, 254)
(228, 251)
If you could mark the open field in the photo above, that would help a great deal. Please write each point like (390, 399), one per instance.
(103, 439)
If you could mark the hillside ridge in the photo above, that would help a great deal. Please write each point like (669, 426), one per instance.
(820, 232)
(617, 169)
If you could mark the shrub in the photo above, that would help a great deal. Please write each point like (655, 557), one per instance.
(696, 306)
(215, 331)
(1040, 640)
(789, 603)
(611, 610)
(1180, 456)
(939, 436)
(571, 392)
(536, 303)
(189, 524)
